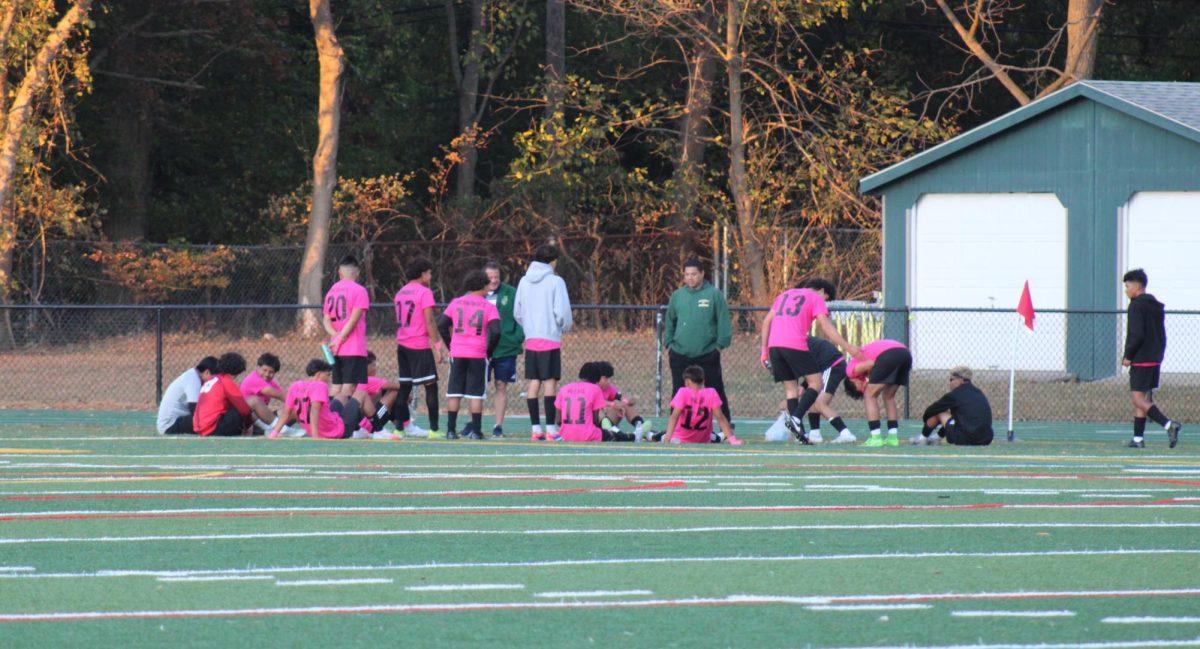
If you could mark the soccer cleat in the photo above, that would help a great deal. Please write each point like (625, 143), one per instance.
(874, 440)
(413, 430)
(795, 427)
(1136, 443)
(1173, 434)
(390, 427)
(814, 437)
(845, 437)
(537, 436)
(383, 434)
(892, 440)
(434, 434)
(497, 432)
(294, 431)
(554, 437)
(471, 433)
(933, 440)
(360, 434)
(734, 441)
(452, 434)
(918, 440)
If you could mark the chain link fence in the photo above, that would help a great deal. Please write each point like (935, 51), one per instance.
(122, 357)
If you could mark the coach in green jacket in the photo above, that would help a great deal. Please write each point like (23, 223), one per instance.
(512, 337)
(698, 327)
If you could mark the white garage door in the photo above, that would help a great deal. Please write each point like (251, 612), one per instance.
(1162, 236)
(977, 250)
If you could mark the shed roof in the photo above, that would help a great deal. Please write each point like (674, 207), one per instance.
(1174, 106)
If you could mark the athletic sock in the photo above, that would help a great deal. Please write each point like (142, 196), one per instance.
(381, 412)
(1158, 417)
(873, 425)
(431, 404)
(1139, 427)
(807, 399)
(792, 405)
(551, 415)
(926, 430)
(893, 427)
(838, 424)
(401, 414)
(814, 421)
(452, 420)
(477, 422)
(534, 417)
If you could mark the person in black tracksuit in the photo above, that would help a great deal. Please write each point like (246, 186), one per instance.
(1145, 346)
(963, 413)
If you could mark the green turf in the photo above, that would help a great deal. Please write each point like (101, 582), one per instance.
(706, 546)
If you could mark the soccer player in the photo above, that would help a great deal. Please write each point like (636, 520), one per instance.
(418, 348)
(503, 367)
(697, 327)
(579, 405)
(471, 328)
(963, 413)
(833, 368)
(785, 346)
(221, 411)
(543, 308)
(617, 406)
(1145, 346)
(884, 367)
(179, 401)
(345, 320)
(259, 387)
(379, 397)
(692, 410)
(318, 413)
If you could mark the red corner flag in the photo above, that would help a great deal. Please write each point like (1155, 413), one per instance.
(1025, 306)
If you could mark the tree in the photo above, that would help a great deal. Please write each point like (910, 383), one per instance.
(329, 115)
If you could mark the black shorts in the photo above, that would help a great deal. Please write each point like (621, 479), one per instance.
(1143, 378)
(350, 412)
(891, 368)
(182, 426)
(229, 425)
(543, 366)
(789, 364)
(417, 366)
(468, 378)
(349, 369)
(960, 437)
(834, 377)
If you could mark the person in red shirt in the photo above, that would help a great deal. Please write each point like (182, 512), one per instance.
(221, 410)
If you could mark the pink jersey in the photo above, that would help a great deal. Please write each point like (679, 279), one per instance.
(411, 302)
(341, 300)
(541, 345)
(694, 424)
(795, 309)
(469, 317)
(577, 402)
(253, 385)
(871, 351)
(373, 386)
(611, 392)
(329, 424)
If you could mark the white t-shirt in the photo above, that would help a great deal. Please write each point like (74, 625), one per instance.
(181, 392)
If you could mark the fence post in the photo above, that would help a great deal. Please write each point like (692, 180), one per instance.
(658, 355)
(907, 343)
(158, 356)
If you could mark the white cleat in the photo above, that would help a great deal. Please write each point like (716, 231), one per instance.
(845, 437)
(413, 430)
(918, 440)
(294, 431)
(383, 434)
(814, 437)
(361, 433)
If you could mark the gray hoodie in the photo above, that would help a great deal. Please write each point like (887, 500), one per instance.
(542, 306)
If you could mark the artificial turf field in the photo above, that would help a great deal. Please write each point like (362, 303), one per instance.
(113, 536)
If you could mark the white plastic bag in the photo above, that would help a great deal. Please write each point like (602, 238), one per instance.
(778, 431)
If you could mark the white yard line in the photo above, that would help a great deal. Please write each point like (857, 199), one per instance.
(458, 587)
(593, 593)
(336, 582)
(867, 607)
(1151, 620)
(219, 578)
(1012, 613)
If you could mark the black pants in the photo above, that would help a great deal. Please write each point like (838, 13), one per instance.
(229, 425)
(711, 364)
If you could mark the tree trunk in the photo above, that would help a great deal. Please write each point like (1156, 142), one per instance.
(331, 59)
(556, 63)
(689, 170)
(751, 252)
(468, 103)
(128, 169)
(1083, 30)
(18, 114)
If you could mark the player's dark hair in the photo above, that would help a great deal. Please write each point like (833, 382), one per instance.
(693, 263)
(417, 267)
(851, 389)
(268, 359)
(545, 253)
(606, 369)
(349, 260)
(1137, 275)
(317, 365)
(492, 264)
(474, 280)
(822, 284)
(590, 372)
(371, 358)
(207, 364)
(231, 363)
(694, 373)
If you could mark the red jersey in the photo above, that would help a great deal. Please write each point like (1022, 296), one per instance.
(216, 396)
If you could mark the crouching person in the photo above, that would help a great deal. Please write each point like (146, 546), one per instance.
(579, 406)
(318, 414)
(964, 414)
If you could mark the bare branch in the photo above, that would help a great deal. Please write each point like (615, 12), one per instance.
(982, 54)
(187, 85)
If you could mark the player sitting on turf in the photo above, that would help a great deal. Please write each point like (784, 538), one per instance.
(617, 406)
(884, 367)
(179, 401)
(379, 396)
(316, 412)
(692, 411)
(579, 406)
(221, 411)
(259, 387)
(833, 365)
(963, 413)
(470, 326)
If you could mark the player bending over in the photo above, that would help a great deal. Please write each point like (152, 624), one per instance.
(692, 411)
(258, 388)
(318, 414)
(883, 369)
(471, 328)
(964, 414)
(617, 406)
(178, 404)
(833, 368)
(580, 406)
